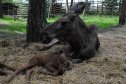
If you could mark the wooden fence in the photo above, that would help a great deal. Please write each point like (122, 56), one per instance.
(22, 10)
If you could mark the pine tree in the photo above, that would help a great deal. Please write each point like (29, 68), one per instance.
(36, 20)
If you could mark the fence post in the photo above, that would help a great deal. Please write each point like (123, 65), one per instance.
(67, 6)
(1, 10)
(122, 15)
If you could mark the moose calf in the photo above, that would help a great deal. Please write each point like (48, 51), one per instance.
(54, 64)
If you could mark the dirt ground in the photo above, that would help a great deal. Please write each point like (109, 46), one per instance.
(108, 67)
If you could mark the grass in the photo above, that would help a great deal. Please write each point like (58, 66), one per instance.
(102, 22)
(10, 24)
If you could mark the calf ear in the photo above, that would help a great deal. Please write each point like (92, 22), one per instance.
(77, 8)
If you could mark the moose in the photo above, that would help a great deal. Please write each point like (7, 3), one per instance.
(70, 28)
(53, 64)
(4, 69)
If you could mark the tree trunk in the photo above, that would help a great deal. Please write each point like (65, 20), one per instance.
(122, 16)
(36, 20)
(67, 7)
(49, 9)
(71, 3)
(1, 11)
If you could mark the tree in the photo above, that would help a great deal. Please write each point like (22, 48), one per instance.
(7, 1)
(1, 11)
(110, 6)
(122, 16)
(36, 20)
(71, 3)
(67, 7)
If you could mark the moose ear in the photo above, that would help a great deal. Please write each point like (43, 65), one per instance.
(77, 8)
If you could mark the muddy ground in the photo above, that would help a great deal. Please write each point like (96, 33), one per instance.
(108, 67)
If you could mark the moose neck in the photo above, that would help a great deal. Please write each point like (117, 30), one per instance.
(79, 37)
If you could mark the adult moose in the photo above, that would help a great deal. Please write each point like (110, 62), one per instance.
(71, 29)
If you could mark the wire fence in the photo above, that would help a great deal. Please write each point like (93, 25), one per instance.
(108, 7)
(105, 7)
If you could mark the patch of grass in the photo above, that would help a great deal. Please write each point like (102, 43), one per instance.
(10, 24)
(102, 22)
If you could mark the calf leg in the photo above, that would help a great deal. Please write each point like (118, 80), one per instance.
(28, 75)
(49, 69)
(3, 72)
(5, 66)
(44, 71)
(33, 62)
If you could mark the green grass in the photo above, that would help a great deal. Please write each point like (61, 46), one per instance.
(102, 22)
(12, 25)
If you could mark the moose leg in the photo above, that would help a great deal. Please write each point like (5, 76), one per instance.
(87, 53)
(5, 66)
(53, 42)
(97, 44)
(76, 60)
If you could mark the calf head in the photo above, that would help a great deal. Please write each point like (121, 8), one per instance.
(64, 64)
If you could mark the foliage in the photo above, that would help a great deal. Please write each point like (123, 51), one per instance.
(111, 6)
(17, 1)
(7, 1)
(102, 22)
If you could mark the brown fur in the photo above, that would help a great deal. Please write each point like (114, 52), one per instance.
(54, 64)
(70, 28)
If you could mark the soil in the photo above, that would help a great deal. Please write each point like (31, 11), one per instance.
(107, 67)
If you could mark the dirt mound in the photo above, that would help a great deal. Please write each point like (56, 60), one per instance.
(108, 67)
